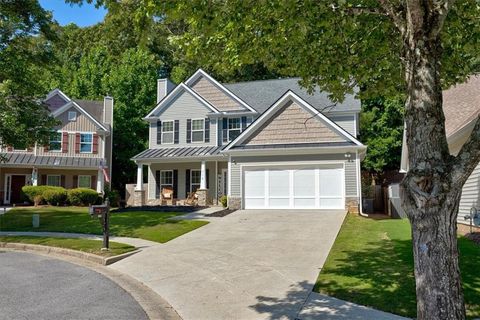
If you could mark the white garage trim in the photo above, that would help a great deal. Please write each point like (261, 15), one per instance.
(262, 194)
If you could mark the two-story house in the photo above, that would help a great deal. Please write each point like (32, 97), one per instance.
(264, 144)
(79, 152)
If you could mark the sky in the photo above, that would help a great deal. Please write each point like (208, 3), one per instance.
(85, 15)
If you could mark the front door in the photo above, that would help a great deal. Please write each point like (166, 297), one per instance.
(16, 185)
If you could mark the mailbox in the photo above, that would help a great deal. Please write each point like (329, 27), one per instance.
(98, 210)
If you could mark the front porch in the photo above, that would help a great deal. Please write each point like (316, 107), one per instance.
(12, 179)
(173, 183)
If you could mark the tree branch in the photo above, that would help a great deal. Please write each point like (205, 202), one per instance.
(468, 157)
(396, 14)
(441, 8)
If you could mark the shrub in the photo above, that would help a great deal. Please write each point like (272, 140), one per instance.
(82, 197)
(55, 196)
(36, 194)
(224, 201)
(113, 197)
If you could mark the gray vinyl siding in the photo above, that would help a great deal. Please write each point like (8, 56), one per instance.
(350, 169)
(346, 122)
(184, 107)
(470, 195)
(182, 167)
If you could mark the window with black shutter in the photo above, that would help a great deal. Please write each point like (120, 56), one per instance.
(207, 130)
(159, 132)
(176, 133)
(225, 130)
(189, 130)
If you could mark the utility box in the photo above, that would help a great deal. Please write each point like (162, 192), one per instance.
(36, 221)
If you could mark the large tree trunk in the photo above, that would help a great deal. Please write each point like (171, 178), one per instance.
(429, 196)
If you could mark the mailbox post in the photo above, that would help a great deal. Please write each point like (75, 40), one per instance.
(102, 212)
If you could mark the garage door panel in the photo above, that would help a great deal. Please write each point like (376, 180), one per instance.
(302, 188)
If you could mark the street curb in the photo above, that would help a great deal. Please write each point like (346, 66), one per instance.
(155, 307)
(67, 252)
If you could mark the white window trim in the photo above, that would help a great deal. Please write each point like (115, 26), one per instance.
(84, 175)
(70, 118)
(173, 131)
(203, 131)
(228, 127)
(191, 179)
(61, 143)
(59, 179)
(80, 147)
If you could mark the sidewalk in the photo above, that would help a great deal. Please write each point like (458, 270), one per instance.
(136, 242)
(322, 307)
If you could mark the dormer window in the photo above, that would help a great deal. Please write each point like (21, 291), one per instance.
(234, 128)
(72, 116)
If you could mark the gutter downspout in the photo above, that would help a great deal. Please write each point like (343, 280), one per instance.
(359, 186)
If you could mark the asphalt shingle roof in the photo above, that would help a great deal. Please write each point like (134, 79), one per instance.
(461, 104)
(94, 108)
(261, 94)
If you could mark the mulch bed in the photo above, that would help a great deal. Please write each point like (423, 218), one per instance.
(475, 237)
(223, 213)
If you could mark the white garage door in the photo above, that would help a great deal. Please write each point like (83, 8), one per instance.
(299, 188)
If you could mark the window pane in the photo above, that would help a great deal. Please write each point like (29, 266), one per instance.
(85, 147)
(168, 137)
(86, 137)
(197, 124)
(53, 181)
(167, 126)
(232, 134)
(195, 177)
(166, 177)
(234, 123)
(84, 181)
(55, 141)
(197, 136)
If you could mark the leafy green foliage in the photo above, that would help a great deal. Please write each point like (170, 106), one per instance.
(381, 129)
(37, 194)
(82, 197)
(55, 196)
(25, 38)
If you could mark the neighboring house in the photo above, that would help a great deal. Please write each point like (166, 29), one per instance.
(264, 144)
(79, 153)
(461, 105)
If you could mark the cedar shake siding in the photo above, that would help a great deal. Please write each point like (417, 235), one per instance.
(293, 124)
(215, 95)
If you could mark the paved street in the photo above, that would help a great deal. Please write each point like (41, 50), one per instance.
(38, 287)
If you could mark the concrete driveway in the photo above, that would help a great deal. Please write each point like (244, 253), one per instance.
(252, 264)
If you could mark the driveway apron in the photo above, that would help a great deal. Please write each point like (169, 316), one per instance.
(252, 264)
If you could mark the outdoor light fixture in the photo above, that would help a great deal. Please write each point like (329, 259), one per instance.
(348, 156)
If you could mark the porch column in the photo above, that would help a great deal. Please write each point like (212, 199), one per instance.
(34, 177)
(139, 186)
(100, 181)
(203, 176)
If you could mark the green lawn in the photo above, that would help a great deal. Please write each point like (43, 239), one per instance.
(371, 263)
(154, 226)
(90, 246)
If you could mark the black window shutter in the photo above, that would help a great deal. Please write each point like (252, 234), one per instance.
(189, 130)
(207, 130)
(159, 132)
(157, 180)
(244, 123)
(208, 182)
(175, 183)
(225, 130)
(187, 182)
(176, 134)
(62, 181)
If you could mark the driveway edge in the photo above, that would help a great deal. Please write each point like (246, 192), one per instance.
(154, 305)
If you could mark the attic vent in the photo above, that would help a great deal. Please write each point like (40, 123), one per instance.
(72, 116)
